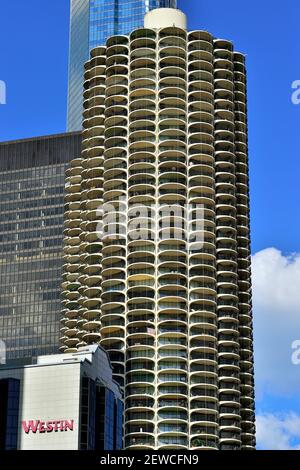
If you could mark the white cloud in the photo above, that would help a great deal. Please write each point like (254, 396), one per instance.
(277, 280)
(278, 432)
(276, 305)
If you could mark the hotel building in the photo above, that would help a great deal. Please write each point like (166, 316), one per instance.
(61, 402)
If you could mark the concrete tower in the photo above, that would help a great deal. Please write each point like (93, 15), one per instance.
(165, 126)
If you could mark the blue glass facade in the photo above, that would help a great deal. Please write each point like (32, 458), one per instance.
(110, 17)
(101, 417)
(109, 420)
(92, 22)
(78, 54)
(9, 413)
(119, 413)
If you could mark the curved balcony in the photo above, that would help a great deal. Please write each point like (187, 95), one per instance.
(200, 51)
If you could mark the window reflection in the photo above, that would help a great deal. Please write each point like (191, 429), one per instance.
(32, 174)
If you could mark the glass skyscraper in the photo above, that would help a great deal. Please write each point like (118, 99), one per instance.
(32, 183)
(92, 22)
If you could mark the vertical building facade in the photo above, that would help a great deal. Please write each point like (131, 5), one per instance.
(158, 237)
(92, 22)
(32, 183)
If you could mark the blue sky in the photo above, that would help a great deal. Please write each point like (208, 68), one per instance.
(34, 60)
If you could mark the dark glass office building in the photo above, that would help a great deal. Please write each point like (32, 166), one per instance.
(92, 22)
(32, 180)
